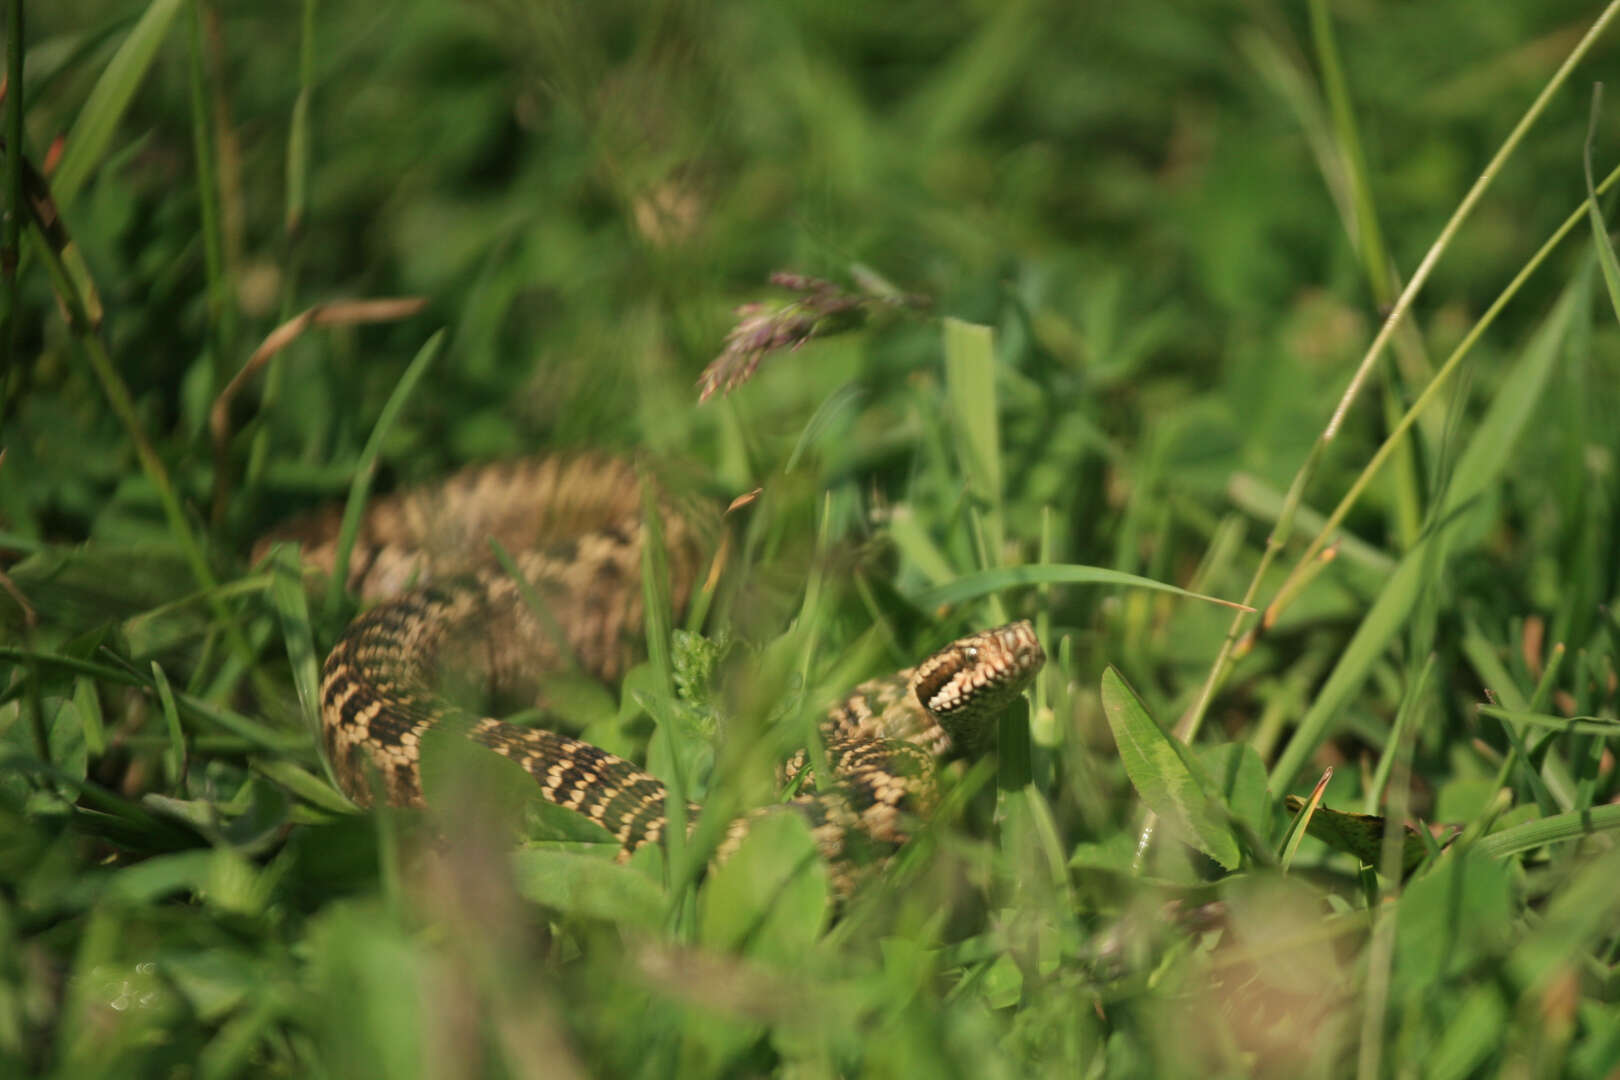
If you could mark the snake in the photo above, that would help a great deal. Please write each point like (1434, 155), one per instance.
(442, 611)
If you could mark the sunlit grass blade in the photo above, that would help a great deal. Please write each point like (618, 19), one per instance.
(1302, 822)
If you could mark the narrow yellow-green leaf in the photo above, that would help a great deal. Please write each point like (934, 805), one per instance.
(292, 609)
(1363, 222)
(298, 130)
(89, 706)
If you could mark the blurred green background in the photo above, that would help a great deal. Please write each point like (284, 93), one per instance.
(1131, 194)
(1153, 207)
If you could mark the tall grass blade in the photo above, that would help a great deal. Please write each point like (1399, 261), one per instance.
(1479, 467)
(93, 130)
(366, 468)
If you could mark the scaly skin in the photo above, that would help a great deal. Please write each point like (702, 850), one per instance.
(579, 520)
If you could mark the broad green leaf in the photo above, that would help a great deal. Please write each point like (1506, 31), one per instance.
(1003, 983)
(1239, 776)
(1470, 1036)
(1582, 911)
(216, 980)
(1158, 769)
(161, 876)
(588, 886)
(1464, 798)
(769, 900)
(1451, 917)
(358, 955)
(64, 728)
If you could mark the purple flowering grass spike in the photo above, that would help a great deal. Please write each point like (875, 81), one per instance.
(822, 307)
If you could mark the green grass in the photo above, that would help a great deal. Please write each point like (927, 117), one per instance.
(1157, 245)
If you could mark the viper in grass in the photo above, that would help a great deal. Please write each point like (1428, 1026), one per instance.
(445, 612)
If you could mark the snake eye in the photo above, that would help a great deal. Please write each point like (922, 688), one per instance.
(972, 654)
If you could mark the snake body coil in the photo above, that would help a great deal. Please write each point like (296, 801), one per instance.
(578, 525)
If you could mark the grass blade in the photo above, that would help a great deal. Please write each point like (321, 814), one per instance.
(1479, 467)
(174, 758)
(1551, 830)
(292, 609)
(983, 582)
(1600, 233)
(93, 130)
(970, 380)
(360, 487)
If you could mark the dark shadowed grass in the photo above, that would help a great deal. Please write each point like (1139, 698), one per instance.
(1300, 312)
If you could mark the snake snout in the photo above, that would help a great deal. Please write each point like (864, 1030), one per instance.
(1021, 646)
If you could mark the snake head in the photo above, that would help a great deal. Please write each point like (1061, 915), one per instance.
(969, 682)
